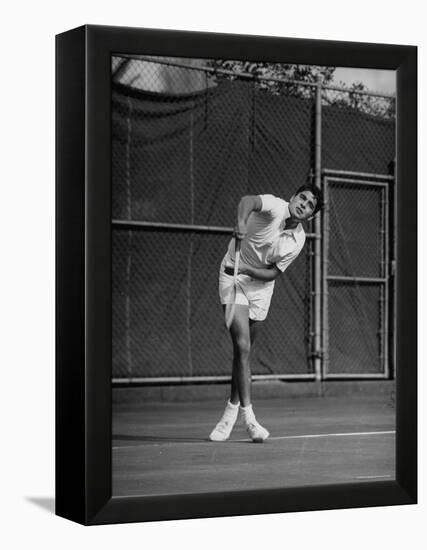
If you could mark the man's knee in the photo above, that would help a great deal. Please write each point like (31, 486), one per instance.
(243, 345)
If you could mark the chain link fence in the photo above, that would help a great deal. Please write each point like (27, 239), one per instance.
(189, 140)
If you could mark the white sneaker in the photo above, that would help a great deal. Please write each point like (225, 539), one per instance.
(222, 430)
(256, 432)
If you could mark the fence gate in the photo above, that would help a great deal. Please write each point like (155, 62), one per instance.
(356, 234)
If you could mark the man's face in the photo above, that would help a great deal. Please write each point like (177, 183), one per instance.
(302, 205)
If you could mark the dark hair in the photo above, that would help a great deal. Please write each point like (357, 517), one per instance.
(317, 194)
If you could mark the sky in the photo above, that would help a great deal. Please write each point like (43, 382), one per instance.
(375, 80)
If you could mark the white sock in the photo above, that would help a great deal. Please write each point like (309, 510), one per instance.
(231, 410)
(248, 414)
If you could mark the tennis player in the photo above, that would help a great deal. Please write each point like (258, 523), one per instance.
(271, 234)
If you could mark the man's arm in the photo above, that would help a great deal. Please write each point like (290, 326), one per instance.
(260, 273)
(248, 204)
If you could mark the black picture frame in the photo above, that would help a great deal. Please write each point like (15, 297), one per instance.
(83, 274)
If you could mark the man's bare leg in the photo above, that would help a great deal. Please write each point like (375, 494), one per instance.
(243, 333)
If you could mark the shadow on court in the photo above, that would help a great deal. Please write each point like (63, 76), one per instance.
(164, 448)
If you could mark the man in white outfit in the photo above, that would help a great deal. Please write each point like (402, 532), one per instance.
(271, 236)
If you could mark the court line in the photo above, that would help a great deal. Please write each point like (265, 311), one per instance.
(305, 436)
(313, 436)
(374, 477)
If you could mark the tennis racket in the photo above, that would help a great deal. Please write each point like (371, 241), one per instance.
(230, 307)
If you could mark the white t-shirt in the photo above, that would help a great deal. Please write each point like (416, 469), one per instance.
(267, 242)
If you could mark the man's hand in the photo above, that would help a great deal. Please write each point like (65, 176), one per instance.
(240, 231)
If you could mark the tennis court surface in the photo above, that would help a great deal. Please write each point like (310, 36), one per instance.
(163, 448)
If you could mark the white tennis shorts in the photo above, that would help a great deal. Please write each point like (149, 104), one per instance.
(250, 292)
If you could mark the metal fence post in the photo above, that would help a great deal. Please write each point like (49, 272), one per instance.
(386, 275)
(317, 231)
(325, 284)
